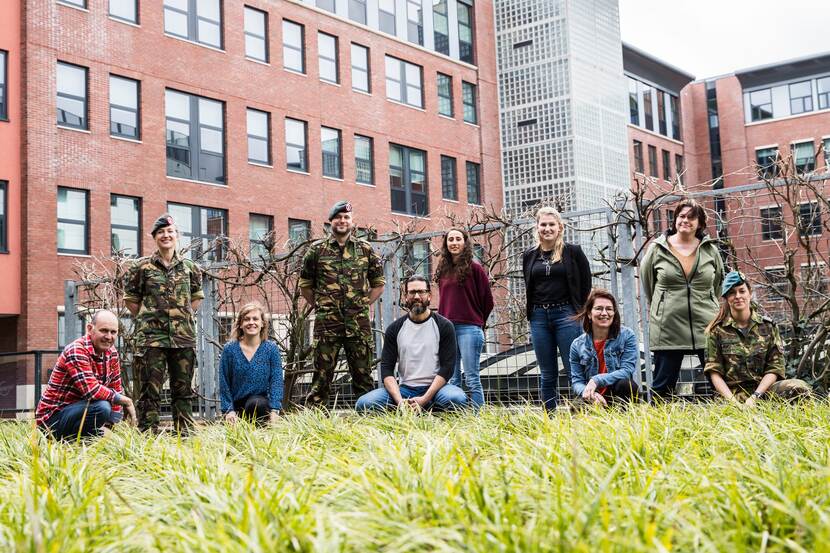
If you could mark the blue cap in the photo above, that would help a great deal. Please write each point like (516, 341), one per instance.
(732, 279)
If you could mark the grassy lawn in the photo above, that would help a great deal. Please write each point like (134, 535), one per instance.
(676, 477)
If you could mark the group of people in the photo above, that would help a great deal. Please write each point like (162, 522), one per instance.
(436, 352)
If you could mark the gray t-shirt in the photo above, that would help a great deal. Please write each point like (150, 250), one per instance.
(420, 349)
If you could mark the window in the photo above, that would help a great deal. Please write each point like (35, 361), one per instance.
(364, 166)
(666, 165)
(72, 99)
(259, 136)
(771, 223)
(4, 222)
(327, 57)
(823, 86)
(473, 183)
(657, 221)
(195, 20)
(468, 98)
(4, 100)
(124, 107)
(652, 161)
(760, 104)
(449, 187)
(330, 146)
(357, 11)
(201, 229)
(801, 97)
(638, 156)
(465, 32)
(125, 225)
(804, 157)
(126, 10)
(293, 46)
(361, 79)
(445, 95)
(661, 112)
(259, 235)
(408, 180)
(73, 235)
(414, 22)
(299, 230)
(441, 27)
(633, 104)
(814, 280)
(778, 287)
(826, 148)
(195, 137)
(678, 166)
(674, 106)
(296, 152)
(648, 109)
(78, 3)
(327, 5)
(386, 16)
(766, 162)
(809, 219)
(403, 82)
(414, 259)
(256, 34)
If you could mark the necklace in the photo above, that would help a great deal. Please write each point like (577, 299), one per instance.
(546, 261)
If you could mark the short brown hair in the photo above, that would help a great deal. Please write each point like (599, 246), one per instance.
(584, 315)
(238, 332)
(696, 212)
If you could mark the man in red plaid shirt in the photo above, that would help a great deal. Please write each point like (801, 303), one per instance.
(84, 392)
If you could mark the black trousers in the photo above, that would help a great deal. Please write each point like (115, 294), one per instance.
(254, 408)
(667, 363)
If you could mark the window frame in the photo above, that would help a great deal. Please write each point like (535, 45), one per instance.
(418, 24)
(196, 212)
(370, 160)
(639, 161)
(321, 58)
(475, 184)
(471, 27)
(679, 167)
(338, 155)
(85, 99)
(124, 19)
(772, 228)
(80, 4)
(652, 161)
(449, 180)
(805, 167)
(252, 35)
(136, 110)
(303, 147)
(441, 39)
(406, 180)
(4, 86)
(290, 46)
(666, 155)
(403, 83)
(469, 107)
(136, 228)
(823, 96)
(266, 138)
(356, 68)
(195, 127)
(805, 102)
(773, 284)
(193, 19)
(364, 13)
(770, 168)
(633, 102)
(84, 222)
(446, 99)
(756, 111)
(394, 15)
(263, 242)
(815, 224)
(4, 216)
(292, 227)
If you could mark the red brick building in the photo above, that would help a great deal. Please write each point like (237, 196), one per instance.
(239, 117)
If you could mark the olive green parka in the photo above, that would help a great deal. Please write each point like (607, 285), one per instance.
(680, 307)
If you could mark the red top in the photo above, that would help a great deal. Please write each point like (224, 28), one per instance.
(599, 346)
(468, 302)
(80, 374)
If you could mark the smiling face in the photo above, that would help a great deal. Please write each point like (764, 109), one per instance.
(548, 228)
(342, 224)
(251, 323)
(455, 242)
(417, 297)
(686, 221)
(739, 297)
(601, 314)
(103, 331)
(166, 238)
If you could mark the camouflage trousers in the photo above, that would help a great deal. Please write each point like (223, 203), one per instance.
(359, 355)
(789, 389)
(179, 363)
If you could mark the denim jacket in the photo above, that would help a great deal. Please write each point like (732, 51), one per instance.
(621, 357)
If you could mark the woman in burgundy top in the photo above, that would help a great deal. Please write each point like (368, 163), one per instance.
(466, 300)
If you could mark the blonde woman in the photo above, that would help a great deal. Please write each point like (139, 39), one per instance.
(557, 280)
(250, 369)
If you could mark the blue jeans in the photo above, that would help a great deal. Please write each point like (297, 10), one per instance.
(470, 340)
(447, 398)
(66, 423)
(551, 328)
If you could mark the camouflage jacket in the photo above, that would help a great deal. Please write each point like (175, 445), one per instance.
(165, 318)
(341, 279)
(741, 359)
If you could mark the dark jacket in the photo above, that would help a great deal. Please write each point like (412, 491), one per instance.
(577, 270)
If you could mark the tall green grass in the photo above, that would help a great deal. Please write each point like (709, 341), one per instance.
(674, 477)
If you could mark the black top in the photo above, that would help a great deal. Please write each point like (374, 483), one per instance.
(447, 347)
(577, 272)
(550, 281)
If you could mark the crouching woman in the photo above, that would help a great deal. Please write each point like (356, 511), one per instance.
(604, 358)
(744, 350)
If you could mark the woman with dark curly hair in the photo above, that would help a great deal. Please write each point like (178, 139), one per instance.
(466, 300)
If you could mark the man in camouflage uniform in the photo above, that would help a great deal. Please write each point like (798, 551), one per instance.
(744, 350)
(341, 277)
(163, 292)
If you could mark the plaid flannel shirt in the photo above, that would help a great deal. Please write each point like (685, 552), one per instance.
(81, 374)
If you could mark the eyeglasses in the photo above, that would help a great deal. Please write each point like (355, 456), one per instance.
(414, 293)
(602, 309)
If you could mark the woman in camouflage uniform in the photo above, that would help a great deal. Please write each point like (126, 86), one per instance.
(744, 351)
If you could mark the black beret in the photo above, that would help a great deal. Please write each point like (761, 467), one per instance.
(343, 206)
(164, 221)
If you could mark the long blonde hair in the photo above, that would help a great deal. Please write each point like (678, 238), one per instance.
(559, 244)
(239, 333)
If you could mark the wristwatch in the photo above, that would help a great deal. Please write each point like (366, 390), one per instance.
(757, 395)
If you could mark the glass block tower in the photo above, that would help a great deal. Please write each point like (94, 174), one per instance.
(562, 103)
